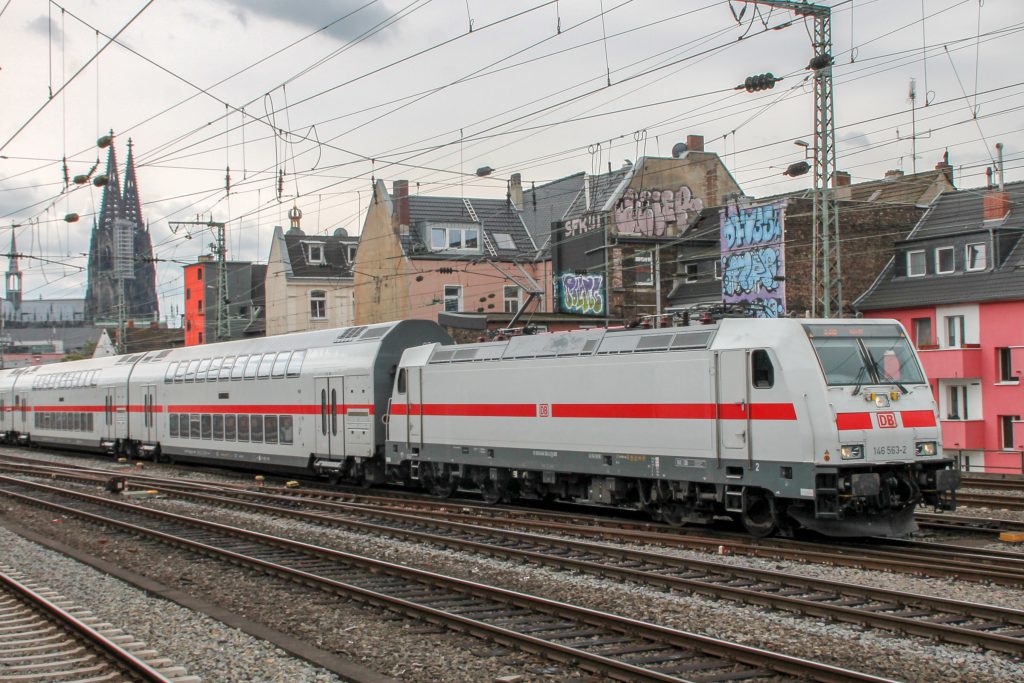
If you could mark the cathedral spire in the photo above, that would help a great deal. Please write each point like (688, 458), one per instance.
(111, 209)
(13, 276)
(131, 207)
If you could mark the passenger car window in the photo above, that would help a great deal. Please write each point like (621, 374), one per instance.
(295, 364)
(281, 364)
(225, 369)
(214, 371)
(236, 372)
(251, 365)
(266, 363)
(204, 366)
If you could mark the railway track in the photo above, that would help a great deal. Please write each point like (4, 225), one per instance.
(43, 637)
(1016, 484)
(949, 620)
(993, 500)
(928, 559)
(607, 644)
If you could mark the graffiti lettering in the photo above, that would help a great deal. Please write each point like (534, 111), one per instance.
(582, 225)
(650, 212)
(753, 251)
(581, 294)
(751, 227)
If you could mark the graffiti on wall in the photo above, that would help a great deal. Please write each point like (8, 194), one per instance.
(753, 258)
(650, 212)
(581, 294)
(582, 225)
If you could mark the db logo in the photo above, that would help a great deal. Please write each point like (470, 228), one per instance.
(886, 420)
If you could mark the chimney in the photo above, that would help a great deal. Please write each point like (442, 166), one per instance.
(995, 205)
(400, 196)
(945, 167)
(695, 143)
(841, 179)
(892, 175)
(516, 187)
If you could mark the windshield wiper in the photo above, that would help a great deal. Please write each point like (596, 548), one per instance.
(882, 375)
(859, 379)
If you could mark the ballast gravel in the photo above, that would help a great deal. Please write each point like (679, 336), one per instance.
(206, 647)
(874, 651)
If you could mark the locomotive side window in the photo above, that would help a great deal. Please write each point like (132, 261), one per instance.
(243, 427)
(762, 370)
(295, 364)
(401, 381)
(236, 372)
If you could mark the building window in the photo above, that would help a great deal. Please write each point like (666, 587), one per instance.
(975, 257)
(1005, 356)
(200, 304)
(352, 253)
(452, 298)
(188, 325)
(718, 269)
(1006, 431)
(511, 296)
(315, 253)
(915, 263)
(944, 260)
(954, 331)
(503, 240)
(691, 270)
(200, 337)
(449, 238)
(188, 294)
(642, 268)
(956, 402)
(922, 331)
(318, 304)
(199, 273)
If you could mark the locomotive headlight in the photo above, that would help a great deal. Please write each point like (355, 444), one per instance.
(881, 400)
(926, 448)
(852, 452)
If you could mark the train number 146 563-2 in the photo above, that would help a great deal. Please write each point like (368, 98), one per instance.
(890, 450)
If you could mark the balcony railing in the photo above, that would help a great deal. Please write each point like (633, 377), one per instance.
(963, 434)
(959, 363)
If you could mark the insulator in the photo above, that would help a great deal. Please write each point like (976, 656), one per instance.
(820, 61)
(71, 218)
(99, 181)
(104, 141)
(80, 179)
(760, 82)
(797, 168)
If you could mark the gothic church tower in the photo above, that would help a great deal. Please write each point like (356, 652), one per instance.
(141, 303)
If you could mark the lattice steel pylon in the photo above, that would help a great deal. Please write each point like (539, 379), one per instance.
(826, 271)
(220, 250)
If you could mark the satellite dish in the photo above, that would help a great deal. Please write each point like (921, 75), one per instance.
(679, 149)
(341, 232)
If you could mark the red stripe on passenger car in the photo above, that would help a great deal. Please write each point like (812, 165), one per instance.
(468, 409)
(917, 418)
(853, 421)
(270, 409)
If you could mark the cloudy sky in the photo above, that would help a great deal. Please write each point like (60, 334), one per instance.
(306, 101)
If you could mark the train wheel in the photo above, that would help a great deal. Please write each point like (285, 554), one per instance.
(492, 492)
(673, 514)
(759, 515)
(439, 481)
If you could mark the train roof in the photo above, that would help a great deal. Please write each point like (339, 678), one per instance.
(726, 333)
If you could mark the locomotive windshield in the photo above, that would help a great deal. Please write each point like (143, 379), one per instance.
(872, 354)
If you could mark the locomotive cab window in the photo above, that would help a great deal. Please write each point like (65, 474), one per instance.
(401, 381)
(762, 371)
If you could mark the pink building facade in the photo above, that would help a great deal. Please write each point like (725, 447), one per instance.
(957, 285)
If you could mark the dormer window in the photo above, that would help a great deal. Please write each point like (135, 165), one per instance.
(352, 253)
(916, 263)
(975, 257)
(944, 261)
(454, 238)
(314, 252)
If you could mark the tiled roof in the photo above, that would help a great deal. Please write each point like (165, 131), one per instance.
(602, 189)
(496, 216)
(545, 204)
(956, 214)
(335, 264)
(914, 188)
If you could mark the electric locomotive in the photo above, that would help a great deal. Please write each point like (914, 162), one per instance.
(828, 425)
